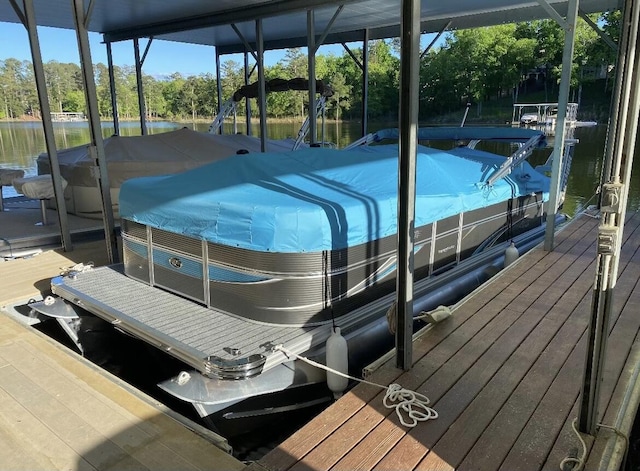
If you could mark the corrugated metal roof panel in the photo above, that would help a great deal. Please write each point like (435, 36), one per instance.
(284, 21)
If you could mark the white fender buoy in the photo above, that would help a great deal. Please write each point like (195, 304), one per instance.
(438, 314)
(338, 360)
(510, 255)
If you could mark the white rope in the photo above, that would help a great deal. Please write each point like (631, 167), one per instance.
(406, 402)
(579, 462)
(77, 268)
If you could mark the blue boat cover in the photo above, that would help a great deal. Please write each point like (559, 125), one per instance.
(317, 199)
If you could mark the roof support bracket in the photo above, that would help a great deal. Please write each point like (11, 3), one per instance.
(87, 14)
(146, 50)
(248, 46)
(605, 37)
(428, 48)
(324, 34)
(554, 14)
(353, 56)
(19, 13)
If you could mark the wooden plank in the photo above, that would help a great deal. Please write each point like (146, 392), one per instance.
(625, 325)
(465, 324)
(513, 391)
(93, 408)
(70, 397)
(443, 342)
(31, 436)
(554, 413)
(28, 277)
(77, 434)
(399, 453)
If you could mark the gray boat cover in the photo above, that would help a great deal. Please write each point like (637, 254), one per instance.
(154, 154)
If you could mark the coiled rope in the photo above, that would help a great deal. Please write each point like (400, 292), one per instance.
(578, 463)
(411, 407)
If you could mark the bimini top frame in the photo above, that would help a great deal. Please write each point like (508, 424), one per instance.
(274, 85)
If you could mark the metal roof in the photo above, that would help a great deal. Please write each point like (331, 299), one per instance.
(284, 21)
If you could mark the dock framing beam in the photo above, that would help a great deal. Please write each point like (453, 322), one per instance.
(409, 84)
(28, 18)
(96, 146)
(569, 26)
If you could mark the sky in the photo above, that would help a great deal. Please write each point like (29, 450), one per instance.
(61, 45)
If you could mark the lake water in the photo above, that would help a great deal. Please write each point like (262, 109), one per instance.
(22, 142)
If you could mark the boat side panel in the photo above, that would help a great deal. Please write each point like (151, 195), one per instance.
(310, 288)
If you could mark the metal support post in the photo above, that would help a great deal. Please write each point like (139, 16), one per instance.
(311, 58)
(563, 97)
(262, 90)
(219, 88)
(247, 101)
(143, 111)
(49, 137)
(365, 82)
(615, 192)
(409, 82)
(112, 88)
(95, 131)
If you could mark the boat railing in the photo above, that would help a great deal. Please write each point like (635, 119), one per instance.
(526, 139)
(304, 129)
(275, 85)
(523, 152)
(471, 134)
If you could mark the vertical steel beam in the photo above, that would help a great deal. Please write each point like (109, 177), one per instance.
(365, 82)
(49, 137)
(262, 87)
(311, 59)
(141, 106)
(96, 146)
(563, 99)
(219, 88)
(247, 101)
(622, 134)
(409, 82)
(112, 88)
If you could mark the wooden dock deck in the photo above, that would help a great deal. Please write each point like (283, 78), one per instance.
(503, 372)
(59, 412)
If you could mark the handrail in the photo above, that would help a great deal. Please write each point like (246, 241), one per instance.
(304, 129)
(448, 133)
(273, 85)
(523, 152)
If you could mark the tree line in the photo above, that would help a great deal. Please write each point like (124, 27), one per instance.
(470, 66)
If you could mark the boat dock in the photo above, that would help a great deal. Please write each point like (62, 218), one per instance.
(504, 373)
(61, 412)
(21, 232)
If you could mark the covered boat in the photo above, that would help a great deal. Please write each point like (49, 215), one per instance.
(136, 156)
(224, 263)
(298, 237)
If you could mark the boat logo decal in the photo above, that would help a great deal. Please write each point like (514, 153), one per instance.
(175, 262)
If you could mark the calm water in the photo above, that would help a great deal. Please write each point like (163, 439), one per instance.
(21, 143)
